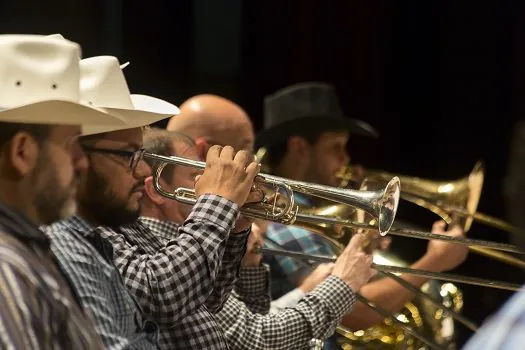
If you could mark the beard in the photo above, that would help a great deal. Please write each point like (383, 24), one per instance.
(53, 201)
(97, 198)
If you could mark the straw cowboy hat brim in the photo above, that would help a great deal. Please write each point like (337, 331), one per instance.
(39, 83)
(149, 110)
(61, 113)
(103, 85)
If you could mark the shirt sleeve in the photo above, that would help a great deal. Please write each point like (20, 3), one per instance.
(253, 288)
(178, 279)
(315, 316)
(228, 271)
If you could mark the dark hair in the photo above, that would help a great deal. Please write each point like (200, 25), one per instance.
(160, 141)
(274, 154)
(38, 131)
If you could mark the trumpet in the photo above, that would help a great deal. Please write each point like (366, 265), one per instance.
(279, 205)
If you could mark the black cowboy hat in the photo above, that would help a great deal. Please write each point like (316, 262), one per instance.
(305, 108)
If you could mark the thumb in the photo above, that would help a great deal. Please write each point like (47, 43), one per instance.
(438, 227)
(197, 178)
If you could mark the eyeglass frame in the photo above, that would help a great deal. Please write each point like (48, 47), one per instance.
(134, 156)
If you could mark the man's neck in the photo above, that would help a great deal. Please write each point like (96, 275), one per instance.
(11, 197)
(88, 216)
(157, 213)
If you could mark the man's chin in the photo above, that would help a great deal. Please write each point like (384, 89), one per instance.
(69, 209)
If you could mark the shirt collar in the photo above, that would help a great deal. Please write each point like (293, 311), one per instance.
(20, 226)
(159, 227)
(79, 224)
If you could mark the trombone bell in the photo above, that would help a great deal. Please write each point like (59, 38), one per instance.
(447, 199)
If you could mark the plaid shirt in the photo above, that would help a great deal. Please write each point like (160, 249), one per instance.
(178, 283)
(244, 318)
(315, 316)
(287, 271)
(88, 263)
(38, 310)
(505, 330)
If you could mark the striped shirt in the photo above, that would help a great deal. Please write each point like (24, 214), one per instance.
(38, 309)
(505, 330)
(88, 263)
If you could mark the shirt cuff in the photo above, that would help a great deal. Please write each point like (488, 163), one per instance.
(336, 294)
(216, 209)
(254, 280)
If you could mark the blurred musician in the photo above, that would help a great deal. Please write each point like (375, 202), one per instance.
(243, 317)
(505, 329)
(40, 160)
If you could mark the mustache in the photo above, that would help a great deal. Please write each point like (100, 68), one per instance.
(139, 186)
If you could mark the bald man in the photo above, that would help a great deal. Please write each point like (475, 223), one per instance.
(212, 119)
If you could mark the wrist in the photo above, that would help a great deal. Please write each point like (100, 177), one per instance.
(430, 262)
(251, 262)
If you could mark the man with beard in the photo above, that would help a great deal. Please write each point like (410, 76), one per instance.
(179, 283)
(505, 329)
(84, 256)
(40, 160)
(243, 317)
(306, 137)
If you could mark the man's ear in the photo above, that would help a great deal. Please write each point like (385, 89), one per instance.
(22, 153)
(202, 146)
(152, 193)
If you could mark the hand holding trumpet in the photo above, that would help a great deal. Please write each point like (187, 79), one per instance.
(354, 266)
(227, 174)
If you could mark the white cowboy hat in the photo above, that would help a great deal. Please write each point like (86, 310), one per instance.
(103, 85)
(40, 83)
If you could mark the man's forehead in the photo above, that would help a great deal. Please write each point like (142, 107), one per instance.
(184, 149)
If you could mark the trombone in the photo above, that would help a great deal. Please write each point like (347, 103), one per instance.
(381, 204)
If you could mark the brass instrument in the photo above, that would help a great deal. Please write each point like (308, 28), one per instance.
(426, 318)
(450, 200)
(278, 202)
(462, 196)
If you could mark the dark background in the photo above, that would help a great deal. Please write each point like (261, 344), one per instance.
(442, 80)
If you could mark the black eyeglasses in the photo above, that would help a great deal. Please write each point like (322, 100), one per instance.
(134, 156)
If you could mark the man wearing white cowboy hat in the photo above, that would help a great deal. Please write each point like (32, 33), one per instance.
(177, 284)
(40, 160)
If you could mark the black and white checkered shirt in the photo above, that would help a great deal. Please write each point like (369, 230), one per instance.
(244, 318)
(88, 264)
(180, 283)
(247, 326)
